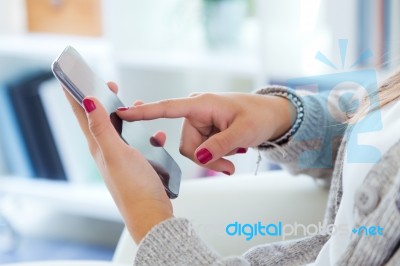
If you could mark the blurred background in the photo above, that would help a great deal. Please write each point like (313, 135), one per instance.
(53, 204)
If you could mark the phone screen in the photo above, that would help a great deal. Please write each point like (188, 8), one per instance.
(79, 79)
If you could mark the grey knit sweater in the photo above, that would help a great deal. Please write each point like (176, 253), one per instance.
(170, 243)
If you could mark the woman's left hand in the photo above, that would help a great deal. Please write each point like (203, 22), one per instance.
(133, 183)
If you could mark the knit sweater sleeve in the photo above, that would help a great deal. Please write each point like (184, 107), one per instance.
(312, 149)
(174, 242)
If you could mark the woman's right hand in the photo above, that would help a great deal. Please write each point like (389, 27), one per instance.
(217, 125)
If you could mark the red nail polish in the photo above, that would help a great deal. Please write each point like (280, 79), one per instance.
(154, 142)
(204, 156)
(241, 150)
(88, 105)
(122, 108)
(225, 172)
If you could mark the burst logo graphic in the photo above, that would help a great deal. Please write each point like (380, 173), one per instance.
(340, 94)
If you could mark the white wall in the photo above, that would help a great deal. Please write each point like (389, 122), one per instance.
(12, 16)
(151, 24)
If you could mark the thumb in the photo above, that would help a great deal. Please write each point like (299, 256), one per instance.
(101, 128)
(220, 145)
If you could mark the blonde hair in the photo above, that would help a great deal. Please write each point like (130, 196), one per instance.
(388, 92)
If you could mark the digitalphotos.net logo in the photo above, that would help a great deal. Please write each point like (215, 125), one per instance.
(283, 231)
(340, 94)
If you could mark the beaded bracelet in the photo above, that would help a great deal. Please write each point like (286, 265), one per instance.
(298, 104)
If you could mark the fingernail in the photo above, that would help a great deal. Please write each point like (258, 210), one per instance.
(204, 156)
(88, 105)
(122, 108)
(225, 172)
(154, 142)
(241, 150)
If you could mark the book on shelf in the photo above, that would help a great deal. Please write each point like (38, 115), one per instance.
(40, 135)
(33, 124)
(70, 141)
(14, 153)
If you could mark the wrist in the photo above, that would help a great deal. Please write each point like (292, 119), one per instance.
(141, 218)
(287, 115)
(284, 117)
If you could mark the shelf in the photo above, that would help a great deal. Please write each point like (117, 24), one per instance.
(90, 200)
(39, 45)
(46, 47)
(235, 63)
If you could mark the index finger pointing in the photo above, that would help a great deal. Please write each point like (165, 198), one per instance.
(171, 108)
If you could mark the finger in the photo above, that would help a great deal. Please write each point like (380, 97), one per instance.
(172, 108)
(158, 139)
(113, 86)
(221, 144)
(81, 117)
(237, 151)
(126, 108)
(191, 138)
(138, 102)
(101, 128)
(222, 165)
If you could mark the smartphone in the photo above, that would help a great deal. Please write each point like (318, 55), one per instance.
(78, 79)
